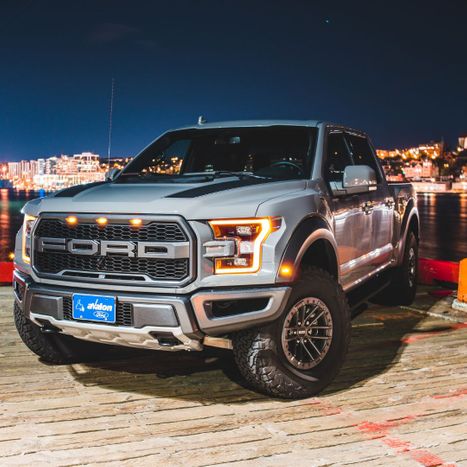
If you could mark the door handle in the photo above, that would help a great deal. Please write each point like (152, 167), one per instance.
(367, 207)
(390, 203)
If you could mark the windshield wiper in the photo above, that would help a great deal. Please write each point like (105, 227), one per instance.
(177, 178)
(239, 174)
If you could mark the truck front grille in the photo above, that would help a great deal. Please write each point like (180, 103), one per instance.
(124, 314)
(166, 269)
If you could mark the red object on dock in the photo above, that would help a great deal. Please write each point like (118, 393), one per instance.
(6, 272)
(433, 269)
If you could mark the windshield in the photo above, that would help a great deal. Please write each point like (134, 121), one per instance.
(279, 152)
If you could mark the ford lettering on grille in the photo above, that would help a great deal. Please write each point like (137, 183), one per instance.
(115, 247)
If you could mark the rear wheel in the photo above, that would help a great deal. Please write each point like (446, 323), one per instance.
(52, 348)
(403, 286)
(299, 354)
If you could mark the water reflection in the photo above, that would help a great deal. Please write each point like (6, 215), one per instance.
(5, 229)
(443, 223)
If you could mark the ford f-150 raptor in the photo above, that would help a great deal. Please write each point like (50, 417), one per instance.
(264, 237)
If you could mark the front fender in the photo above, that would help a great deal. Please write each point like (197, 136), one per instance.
(306, 233)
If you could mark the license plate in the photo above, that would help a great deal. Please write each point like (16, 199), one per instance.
(99, 308)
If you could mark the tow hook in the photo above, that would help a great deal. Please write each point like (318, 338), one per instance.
(48, 328)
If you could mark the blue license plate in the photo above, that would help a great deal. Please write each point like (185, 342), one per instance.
(99, 308)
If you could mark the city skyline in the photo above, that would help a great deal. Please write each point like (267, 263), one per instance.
(56, 172)
(460, 145)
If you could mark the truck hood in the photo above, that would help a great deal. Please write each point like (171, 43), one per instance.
(221, 198)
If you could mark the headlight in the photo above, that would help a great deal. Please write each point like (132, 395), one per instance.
(238, 245)
(28, 225)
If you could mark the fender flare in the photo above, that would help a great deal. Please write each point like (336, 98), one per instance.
(305, 234)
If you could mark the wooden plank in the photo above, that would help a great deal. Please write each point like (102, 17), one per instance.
(404, 384)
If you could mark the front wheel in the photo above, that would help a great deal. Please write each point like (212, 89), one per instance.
(53, 348)
(300, 353)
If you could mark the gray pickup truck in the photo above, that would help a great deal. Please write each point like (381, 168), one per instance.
(264, 237)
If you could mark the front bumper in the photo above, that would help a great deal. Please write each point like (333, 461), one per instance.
(160, 322)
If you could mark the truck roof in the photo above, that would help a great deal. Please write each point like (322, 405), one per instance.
(253, 123)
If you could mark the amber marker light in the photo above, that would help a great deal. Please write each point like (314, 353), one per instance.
(71, 220)
(101, 221)
(136, 222)
(11, 256)
(286, 271)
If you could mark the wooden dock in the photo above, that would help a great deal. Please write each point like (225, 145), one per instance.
(401, 400)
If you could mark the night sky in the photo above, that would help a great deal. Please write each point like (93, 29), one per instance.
(396, 70)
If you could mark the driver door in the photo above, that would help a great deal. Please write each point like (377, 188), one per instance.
(352, 225)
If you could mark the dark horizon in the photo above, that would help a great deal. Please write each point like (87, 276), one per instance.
(396, 71)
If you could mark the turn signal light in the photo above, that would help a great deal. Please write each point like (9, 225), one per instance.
(28, 225)
(286, 271)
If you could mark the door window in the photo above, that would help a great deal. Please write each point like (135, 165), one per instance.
(362, 153)
(337, 158)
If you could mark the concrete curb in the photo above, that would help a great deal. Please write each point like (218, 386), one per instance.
(459, 306)
(442, 309)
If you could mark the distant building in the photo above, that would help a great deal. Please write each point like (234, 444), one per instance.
(462, 143)
(13, 169)
(41, 166)
(420, 170)
(86, 162)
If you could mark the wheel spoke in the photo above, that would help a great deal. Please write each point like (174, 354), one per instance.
(310, 313)
(306, 348)
(304, 310)
(314, 346)
(291, 338)
(318, 317)
(300, 350)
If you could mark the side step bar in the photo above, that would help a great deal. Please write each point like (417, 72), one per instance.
(359, 297)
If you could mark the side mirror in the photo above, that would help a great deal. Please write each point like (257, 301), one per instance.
(359, 179)
(111, 175)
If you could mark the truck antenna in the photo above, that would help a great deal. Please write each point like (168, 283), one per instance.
(109, 146)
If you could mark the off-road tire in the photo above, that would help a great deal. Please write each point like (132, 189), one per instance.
(261, 359)
(403, 285)
(52, 348)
